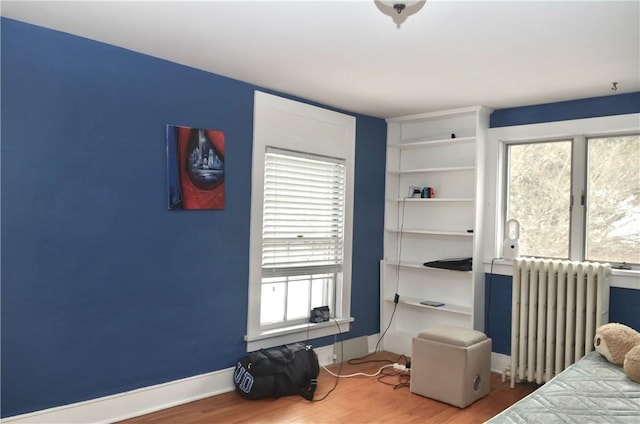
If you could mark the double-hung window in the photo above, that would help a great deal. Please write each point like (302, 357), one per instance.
(301, 232)
(302, 235)
(576, 197)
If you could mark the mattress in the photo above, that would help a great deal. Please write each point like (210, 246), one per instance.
(592, 390)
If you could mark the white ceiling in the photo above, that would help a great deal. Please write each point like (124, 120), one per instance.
(350, 55)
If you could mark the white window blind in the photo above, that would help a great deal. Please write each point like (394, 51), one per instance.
(303, 217)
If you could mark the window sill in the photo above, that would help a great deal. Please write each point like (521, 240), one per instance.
(622, 278)
(297, 333)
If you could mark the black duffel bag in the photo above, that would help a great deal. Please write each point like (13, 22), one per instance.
(279, 371)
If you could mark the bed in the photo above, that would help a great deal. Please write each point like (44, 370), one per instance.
(592, 390)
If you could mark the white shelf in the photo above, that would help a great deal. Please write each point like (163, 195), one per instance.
(433, 200)
(422, 143)
(447, 307)
(429, 170)
(418, 265)
(430, 232)
(405, 264)
(421, 154)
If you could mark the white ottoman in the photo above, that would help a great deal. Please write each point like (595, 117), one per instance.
(451, 364)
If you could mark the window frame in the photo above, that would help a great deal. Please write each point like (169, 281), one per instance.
(586, 194)
(291, 125)
(579, 131)
(292, 270)
(506, 180)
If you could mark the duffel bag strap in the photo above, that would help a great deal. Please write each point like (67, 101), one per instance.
(308, 392)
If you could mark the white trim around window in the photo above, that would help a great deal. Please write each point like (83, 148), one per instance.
(497, 137)
(295, 126)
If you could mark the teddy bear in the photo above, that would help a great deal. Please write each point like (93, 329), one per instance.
(620, 344)
(631, 364)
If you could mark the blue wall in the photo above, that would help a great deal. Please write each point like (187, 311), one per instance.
(619, 104)
(624, 307)
(624, 304)
(103, 289)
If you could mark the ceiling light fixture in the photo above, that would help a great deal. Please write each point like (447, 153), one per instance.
(399, 10)
(399, 6)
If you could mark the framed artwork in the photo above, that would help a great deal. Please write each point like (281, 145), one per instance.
(195, 168)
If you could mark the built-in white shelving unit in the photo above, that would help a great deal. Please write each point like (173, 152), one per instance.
(445, 151)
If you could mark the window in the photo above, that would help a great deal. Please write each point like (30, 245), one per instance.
(303, 235)
(576, 198)
(613, 199)
(539, 187)
(301, 227)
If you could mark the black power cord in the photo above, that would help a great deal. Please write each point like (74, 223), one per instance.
(396, 297)
(339, 369)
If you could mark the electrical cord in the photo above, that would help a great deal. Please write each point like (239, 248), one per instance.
(339, 369)
(404, 379)
(370, 361)
(395, 306)
(404, 376)
(358, 374)
(385, 371)
(396, 297)
(399, 256)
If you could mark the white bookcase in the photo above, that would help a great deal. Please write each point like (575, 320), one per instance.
(445, 151)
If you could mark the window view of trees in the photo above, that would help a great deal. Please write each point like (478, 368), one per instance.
(613, 199)
(539, 196)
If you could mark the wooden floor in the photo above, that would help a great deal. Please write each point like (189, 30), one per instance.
(355, 400)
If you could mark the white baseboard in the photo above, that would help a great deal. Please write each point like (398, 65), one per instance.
(325, 355)
(145, 400)
(499, 362)
(133, 403)
(373, 342)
